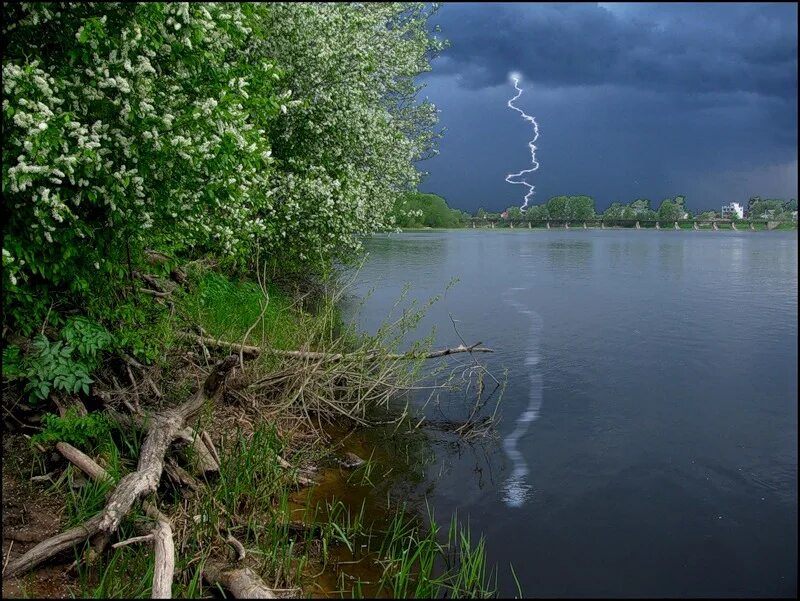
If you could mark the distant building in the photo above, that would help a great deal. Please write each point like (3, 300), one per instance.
(504, 214)
(729, 209)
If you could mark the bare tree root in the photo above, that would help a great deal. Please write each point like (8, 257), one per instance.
(163, 430)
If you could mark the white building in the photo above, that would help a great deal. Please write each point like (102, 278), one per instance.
(729, 209)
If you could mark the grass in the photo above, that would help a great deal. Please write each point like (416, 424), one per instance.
(227, 309)
(421, 562)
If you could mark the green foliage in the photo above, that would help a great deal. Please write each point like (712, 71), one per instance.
(64, 365)
(571, 208)
(669, 211)
(775, 209)
(227, 309)
(707, 215)
(537, 212)
(82, 431)
(86, 337)
(200, 128)
(514, 213)
(418, 209)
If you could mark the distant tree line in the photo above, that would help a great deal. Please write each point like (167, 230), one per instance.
(418, 209)
(771, 208)
(581, 208)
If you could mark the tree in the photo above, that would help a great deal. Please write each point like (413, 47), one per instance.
(707, 216)
(768, 208)
(537, 213)
(417, 209)
(202, 128)
(614, 211)
(514, 213)
(669, 211)
(680, 202)
(581, 208)
(558, 207)
(641, 205)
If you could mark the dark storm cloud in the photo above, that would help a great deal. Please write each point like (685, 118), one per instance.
(632, 100)
(685, 48)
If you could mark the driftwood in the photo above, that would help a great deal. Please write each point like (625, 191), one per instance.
(201, 458)
(163, 429)
(243, 583)
(256, 350)
(83, 462)
(163, 543)
(164, 555)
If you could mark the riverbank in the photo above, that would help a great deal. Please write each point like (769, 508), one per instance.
(275, 481)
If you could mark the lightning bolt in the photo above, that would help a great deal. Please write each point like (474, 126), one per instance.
(516, 77)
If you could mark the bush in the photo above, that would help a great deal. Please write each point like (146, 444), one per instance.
(200, 128)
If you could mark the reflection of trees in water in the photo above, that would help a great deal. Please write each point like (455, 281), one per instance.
(671, 257)
(570, 253)
(628, 252)
(418, 250)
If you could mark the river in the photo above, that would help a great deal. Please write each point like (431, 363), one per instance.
(647, 442)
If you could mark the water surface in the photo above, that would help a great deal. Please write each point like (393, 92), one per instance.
(648, 440)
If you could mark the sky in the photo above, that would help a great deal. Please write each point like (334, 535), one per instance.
(632, 101)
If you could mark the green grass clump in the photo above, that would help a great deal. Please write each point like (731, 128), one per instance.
(227, 309)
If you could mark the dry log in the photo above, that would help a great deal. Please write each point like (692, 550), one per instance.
(82, 461)
(255, 350)
(240, 551)
(164, 554)
(133, 541)
(163, 429)
(180, 475)
(163, 542)
(201, 458)
(210, 446)
(243, 583)
(67, 403)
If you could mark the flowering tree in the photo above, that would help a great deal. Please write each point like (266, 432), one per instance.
(199, 127)
(347, 145)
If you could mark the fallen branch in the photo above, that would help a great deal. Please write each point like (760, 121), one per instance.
(180, 475)
(240, 551)
(255, 350)
(164, 560)
(163, 429)
(210, 446)
(133, 541)
(83, 462)
(202, 459)
(243, 583)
